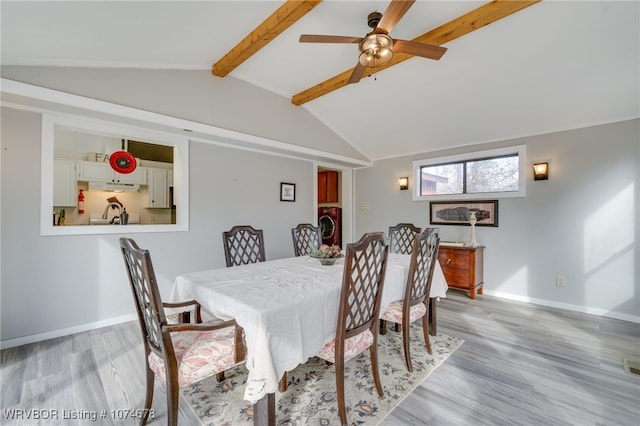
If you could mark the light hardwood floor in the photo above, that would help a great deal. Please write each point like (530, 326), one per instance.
(521, 364)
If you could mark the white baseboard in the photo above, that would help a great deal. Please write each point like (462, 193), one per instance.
(568, 307)
(5, 344)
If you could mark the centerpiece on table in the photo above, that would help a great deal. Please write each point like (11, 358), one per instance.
(327, 255)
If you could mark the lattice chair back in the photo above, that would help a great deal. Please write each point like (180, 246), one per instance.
(145, 293)
(423, 259)
(243, 245)
(401, 238)
(178, 354)
(415, 304)
(357, 331)
(306, 238)
(365, 265)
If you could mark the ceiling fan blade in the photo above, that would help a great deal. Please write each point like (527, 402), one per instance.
(395, 11)
(357, 73)
(311, 38)
(430, 51)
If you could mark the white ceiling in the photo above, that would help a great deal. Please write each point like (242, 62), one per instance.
(553, 66)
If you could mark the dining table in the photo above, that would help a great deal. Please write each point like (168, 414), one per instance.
(288, 309)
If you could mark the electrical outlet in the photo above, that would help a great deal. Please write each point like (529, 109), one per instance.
(559, 281)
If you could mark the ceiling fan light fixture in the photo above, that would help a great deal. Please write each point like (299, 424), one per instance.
(376, 50)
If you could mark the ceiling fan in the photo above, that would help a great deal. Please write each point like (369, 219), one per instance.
(377, 47)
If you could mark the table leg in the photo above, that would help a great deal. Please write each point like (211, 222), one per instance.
(433, 323)
(264, 411)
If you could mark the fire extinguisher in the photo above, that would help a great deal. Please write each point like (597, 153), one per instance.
(81, 202)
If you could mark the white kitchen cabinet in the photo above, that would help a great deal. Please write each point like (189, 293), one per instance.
(94, 172)
(64, 183)
(138, 176)
(102, 172)
(158, 188)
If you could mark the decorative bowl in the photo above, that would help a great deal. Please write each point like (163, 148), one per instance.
(327, 260)
(327, 255)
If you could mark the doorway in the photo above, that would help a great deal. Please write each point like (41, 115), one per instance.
(330, 205)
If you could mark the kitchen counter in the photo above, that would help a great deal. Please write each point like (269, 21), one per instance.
(96, 219)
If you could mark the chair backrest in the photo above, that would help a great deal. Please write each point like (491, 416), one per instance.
(401, 238)
(147, 298)
(306, 238)
(243, 245)
(363, 278)
(423, 260)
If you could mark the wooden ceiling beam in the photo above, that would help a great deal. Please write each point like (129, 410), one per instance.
(286, 15)
(476, 19)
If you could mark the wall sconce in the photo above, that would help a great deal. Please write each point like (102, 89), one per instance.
(541, 171)
(404, 183)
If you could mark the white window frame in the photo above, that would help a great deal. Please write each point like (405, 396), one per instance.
(180, 174)
(520, 150)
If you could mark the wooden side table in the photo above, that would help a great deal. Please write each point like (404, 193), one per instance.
(463, 268)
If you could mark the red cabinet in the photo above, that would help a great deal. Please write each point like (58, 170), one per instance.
(327, 186)
(463, 268)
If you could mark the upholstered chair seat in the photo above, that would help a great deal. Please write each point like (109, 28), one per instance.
(394, 312)
(352, 347)
(199, 354)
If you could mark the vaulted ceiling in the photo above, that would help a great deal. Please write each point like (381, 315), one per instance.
(512, 68)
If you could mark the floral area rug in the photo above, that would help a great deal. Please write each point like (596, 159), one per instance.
(310, 398)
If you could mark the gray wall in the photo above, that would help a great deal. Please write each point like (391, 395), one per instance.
(59, 283)
(581, 224)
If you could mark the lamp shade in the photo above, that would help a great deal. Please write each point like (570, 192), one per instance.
(541, 171)
(377, 50)
(404, 183)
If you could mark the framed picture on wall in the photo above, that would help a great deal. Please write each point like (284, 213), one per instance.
(458, 212)
(287, 191)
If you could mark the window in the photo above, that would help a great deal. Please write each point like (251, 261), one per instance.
(496, 173)
(75, 157)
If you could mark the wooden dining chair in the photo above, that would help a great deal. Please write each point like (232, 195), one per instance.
(401, 238)
(306, 238)
(357, 329)
(415, 304)
(178, 354)
(243, 245)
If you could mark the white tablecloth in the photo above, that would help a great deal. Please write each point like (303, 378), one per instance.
(287, 307)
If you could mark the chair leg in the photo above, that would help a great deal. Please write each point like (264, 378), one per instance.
(148, 400)
(373, 351)
(406, 339)
(433, 320)
(282, 386)
(172, 400)
(342, 409)
(383, 327)
(220, 377)
(425, 332)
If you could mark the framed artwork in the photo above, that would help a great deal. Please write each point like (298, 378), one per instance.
(458, 212)
(287, 191)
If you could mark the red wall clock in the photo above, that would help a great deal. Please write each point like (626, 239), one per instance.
(123, 162)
